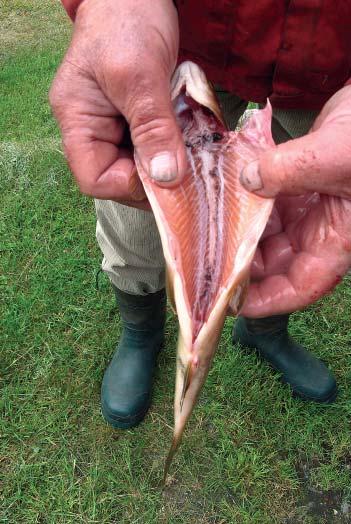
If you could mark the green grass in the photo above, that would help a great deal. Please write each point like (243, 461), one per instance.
(251, 453)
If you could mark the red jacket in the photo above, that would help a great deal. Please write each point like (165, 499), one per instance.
(297, 52)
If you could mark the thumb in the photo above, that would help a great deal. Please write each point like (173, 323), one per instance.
(155, 134)
(306, 164)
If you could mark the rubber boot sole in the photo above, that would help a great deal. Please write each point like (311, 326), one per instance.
(124, 422)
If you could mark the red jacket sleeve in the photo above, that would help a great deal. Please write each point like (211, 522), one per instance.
(71, 7)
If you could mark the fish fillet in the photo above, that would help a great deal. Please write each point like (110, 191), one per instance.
(209, 227)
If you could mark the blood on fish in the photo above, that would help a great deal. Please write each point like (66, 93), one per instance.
(216, 137)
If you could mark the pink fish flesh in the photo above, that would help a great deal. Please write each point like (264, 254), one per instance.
(209, 227)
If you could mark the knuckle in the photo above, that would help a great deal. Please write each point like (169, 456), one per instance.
(65, 87)
(59, 98)
(86, 184)
(281, 166)
(143, 109)
(150, 118)
(55, 95)
(149, 129)
(69, 144)
(305, 159)
(123, 67)
(112, 71)
(86, 187)
(277, 167)
(145, 90)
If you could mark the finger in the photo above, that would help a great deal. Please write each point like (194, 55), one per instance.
(155, 133)
(101, 169)
(273, 257)
(307, 164)
(274, 224)
(309, 278)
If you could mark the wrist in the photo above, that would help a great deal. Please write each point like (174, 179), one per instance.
(71, 7)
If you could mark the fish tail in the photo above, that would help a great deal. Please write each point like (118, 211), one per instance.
(169, 459)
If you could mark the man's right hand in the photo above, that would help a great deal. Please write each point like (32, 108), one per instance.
(116, 73)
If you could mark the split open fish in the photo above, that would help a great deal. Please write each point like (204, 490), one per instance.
(209, 227)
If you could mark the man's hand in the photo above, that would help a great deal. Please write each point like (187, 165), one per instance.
(116, 74)
(306, 249)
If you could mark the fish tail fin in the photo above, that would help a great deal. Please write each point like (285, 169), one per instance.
(178, 434)
(239, 296)
(170, 456)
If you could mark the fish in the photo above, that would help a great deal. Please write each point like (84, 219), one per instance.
(209, 227)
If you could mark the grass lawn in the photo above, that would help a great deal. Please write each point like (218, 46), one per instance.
(251, 454)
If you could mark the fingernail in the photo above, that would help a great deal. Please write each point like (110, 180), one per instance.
(251, 178)
(163, 167)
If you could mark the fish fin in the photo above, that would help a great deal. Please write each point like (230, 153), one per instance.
(177, 438)
(243, 295)
(186, 383)
(238, 298)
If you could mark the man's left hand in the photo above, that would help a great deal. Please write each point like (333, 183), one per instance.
(306, 248)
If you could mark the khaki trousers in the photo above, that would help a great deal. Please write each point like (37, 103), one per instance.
(128, 237)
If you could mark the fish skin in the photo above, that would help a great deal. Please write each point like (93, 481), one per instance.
(209, 227)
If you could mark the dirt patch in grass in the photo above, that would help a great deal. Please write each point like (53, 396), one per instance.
(317, 505)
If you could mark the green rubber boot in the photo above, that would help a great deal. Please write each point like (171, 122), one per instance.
(308, 377)
(127, 383)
